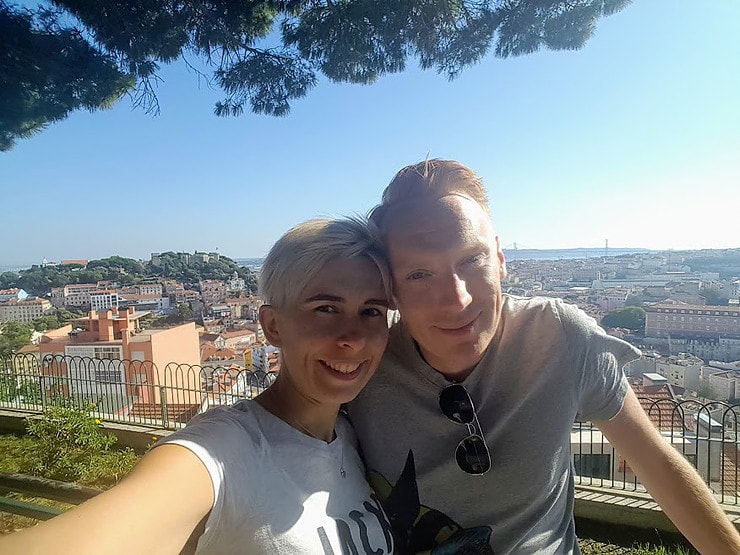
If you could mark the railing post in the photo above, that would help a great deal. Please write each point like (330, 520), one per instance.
(165, 413)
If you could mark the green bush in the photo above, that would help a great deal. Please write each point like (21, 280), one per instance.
(71, 446)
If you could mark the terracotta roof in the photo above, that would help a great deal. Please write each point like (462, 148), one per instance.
(237, 333)
(661, 406)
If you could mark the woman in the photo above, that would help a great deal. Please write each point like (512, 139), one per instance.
(278, 474)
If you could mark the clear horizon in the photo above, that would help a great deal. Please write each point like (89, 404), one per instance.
(633, 139)
(613, 251)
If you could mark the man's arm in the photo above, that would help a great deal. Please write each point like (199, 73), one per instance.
(153, 510)
(671, 480)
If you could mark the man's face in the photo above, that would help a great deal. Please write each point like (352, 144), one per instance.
(447, 269)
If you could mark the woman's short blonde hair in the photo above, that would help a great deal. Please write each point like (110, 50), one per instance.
(302, 252)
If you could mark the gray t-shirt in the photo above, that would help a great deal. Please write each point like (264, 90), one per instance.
(548, 365)
(279, 491)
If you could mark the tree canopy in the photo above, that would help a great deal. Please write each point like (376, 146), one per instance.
(13, 336)
(39, 280)
(66, 55)
(629, 317)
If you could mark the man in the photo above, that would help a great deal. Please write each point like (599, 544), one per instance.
(466, 425)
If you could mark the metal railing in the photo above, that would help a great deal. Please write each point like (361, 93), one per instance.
(705, 433)
(137, 392)
(124, 391)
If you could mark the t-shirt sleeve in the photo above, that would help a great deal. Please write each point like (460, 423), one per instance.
(600, 359)
(212, 437)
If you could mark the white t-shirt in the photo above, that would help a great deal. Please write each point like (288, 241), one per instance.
(278, 490)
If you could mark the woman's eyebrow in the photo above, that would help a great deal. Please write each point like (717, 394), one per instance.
(324, 297)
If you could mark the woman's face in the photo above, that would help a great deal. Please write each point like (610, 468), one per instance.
(333, 338)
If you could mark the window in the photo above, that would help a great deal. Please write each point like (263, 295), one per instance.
(595, 466)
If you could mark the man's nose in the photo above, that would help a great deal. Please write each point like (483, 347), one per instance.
(455, 293)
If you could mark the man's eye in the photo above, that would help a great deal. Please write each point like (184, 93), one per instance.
(417, 275)
(477, 259)
(326, 308)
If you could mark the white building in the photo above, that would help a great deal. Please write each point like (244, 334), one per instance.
(14, 293)
(103, 300)
(23, 311)
(681, 370)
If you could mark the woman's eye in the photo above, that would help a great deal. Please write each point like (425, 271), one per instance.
(373, 312)
(326, 308)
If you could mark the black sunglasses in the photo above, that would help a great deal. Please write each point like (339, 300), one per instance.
(472, 453)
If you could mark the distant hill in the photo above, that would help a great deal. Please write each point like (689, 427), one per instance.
(563, 254)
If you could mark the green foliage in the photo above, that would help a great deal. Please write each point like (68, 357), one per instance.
(70, 446)
(127, 271)
(8, 386)
(44, 323)
(629, 317)
(53, 68)
(49, 70)
(704, 389)
(191, 269)
(590, 547)
(8, 280)
(13, 337)
(715, 295)
(184, 312)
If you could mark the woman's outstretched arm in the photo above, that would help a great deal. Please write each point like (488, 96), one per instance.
(153, 510)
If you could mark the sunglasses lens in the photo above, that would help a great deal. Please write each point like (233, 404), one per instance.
(456, 404)
(472, 455)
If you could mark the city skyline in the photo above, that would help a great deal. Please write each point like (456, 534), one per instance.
(633, 139)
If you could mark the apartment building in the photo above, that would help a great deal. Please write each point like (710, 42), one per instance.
(14, 293)
(104, 299)
(73, 295)
(245, 308)
(235, 284)
(680, 370)
(145, 366)
(143, 289)
(24, 310)
(153, 302)
(212, 292)
(663, 320)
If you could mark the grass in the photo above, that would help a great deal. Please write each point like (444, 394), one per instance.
(589, 547)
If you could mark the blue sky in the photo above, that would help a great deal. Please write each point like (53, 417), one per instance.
(634, 139)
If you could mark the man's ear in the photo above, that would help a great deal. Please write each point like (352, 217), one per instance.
(268, 321)
(502, 272)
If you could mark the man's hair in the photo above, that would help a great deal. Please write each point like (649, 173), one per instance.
(432, 179)
(302, 252)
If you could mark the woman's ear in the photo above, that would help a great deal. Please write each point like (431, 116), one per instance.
(268, 321)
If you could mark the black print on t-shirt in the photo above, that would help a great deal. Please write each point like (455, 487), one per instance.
(421, 529)
(349, 543)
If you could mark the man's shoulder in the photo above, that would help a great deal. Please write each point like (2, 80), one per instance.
(532, 307)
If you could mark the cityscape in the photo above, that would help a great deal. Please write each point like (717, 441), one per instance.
(160, 340)
(682, 308)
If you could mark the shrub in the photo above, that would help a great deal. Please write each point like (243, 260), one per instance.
(71, 446)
